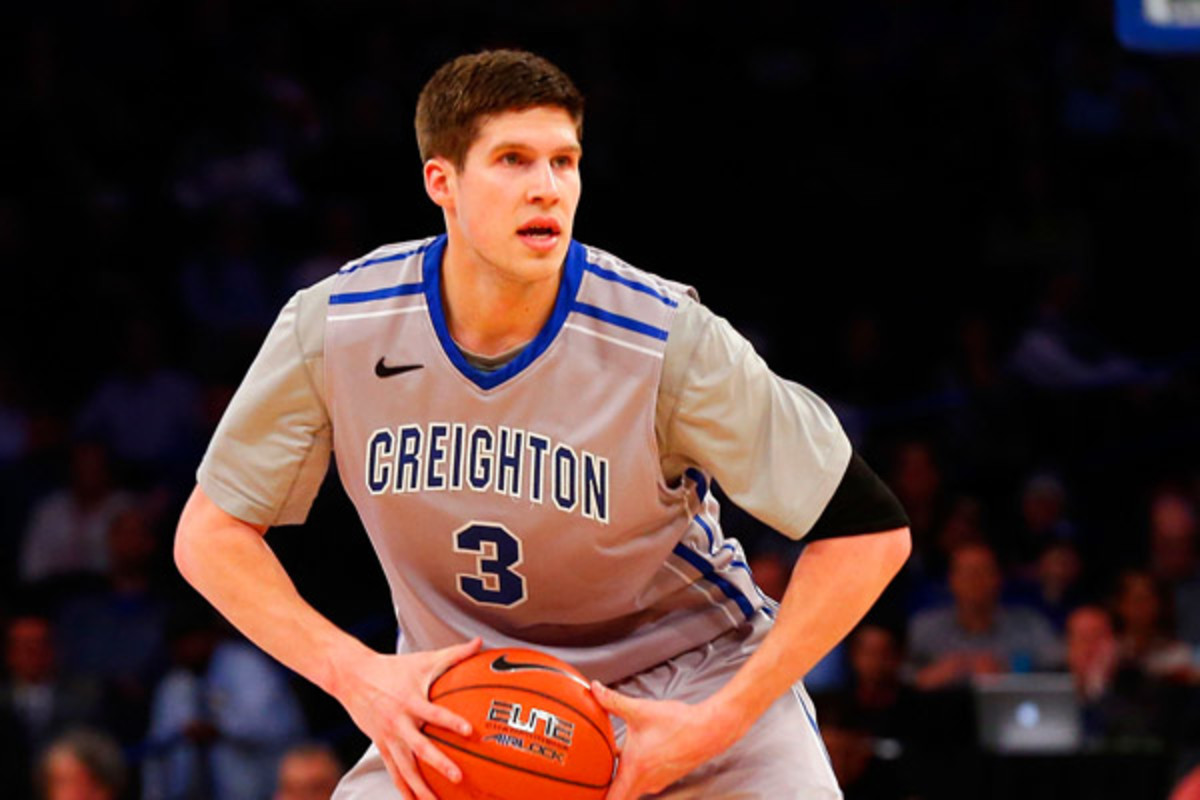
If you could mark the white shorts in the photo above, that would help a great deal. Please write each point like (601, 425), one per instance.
(781, 757)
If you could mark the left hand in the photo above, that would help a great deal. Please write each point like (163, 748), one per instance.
(664, 740)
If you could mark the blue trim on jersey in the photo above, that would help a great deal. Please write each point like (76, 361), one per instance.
(568, 288)
(708, 573)
(609, 275)
(701, 482)
(628, 323)
(375, 294)
(382, 259)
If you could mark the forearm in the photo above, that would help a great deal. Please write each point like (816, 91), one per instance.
(834, 584)
(228, 561)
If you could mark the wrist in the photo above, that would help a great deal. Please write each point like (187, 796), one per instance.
(730, 713)
(343, 663)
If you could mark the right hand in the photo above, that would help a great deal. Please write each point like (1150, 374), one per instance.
(387, 697)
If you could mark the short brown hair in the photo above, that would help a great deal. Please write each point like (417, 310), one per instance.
(464, 91)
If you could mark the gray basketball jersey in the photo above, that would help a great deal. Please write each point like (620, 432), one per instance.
(527, 505)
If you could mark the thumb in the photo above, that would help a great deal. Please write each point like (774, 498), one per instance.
(449, 656)
(613, 702)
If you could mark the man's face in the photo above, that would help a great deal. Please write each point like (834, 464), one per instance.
(511, 207)
(30, 654)
(1089, 638)
(68, 778)
(874, 656)
(974, 577)
(311, 776)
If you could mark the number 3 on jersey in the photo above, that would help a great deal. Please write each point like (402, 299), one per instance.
(496, 551)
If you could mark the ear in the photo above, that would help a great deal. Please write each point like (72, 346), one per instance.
(439, 181)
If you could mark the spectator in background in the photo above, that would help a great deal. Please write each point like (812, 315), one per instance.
(917, 481)
(82, 765)
(977, 635)
(1055, 352)
(33, 694)
(1121, 706)
(1146, 631)
(67, 532)
(1189, 787)
(1091, 652)
(1044, 521)
(1057, 587)
(227, 291)
(220, 719)
(876, 695)
(148, 414)
(116, 632)
(1174, 559)
(861, 773)
(309, 771)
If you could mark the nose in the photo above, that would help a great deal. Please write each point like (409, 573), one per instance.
(543, 185)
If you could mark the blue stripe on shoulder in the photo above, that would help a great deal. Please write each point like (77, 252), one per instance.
(610, 275)
(416, 251)
(376, 294)
(620, 321)
(708, 573)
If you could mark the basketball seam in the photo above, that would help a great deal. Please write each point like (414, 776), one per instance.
(612, 753)
(526, 770)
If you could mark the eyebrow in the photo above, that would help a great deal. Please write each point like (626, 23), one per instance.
(572, 148)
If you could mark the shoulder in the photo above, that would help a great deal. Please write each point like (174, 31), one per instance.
(376, 269)
(607, 266)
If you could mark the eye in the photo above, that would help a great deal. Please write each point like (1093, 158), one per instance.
(511, 159)
(564, 162)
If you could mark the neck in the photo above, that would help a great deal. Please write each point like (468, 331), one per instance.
(489, 311)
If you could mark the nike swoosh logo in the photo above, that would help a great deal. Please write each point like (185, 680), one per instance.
(382, 370)
(502, 664)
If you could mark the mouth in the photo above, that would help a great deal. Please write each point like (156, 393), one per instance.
(540, 234)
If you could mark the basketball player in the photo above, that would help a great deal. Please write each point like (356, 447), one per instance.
(529, 428)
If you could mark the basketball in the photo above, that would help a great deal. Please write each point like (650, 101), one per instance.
(536, 730)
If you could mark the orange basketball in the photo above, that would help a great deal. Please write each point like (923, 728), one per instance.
(536, 730)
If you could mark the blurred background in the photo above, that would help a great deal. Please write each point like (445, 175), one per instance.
(967, 225)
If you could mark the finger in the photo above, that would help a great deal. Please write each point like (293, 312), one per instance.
(393, 772)
(411, 776)
(441, 717)
(428, 752)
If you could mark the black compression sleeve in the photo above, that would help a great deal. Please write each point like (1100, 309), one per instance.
(862, 504)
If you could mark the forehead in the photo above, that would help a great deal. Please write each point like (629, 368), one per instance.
(546, 127)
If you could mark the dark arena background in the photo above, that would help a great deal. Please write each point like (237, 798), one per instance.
(970, 226)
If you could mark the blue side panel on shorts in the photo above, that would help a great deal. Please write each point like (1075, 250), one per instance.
(706, 570)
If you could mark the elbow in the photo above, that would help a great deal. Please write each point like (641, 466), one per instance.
(898, 548)
(183, 551)
(192, 533)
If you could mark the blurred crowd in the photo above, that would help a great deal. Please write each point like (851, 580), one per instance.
(966, 225)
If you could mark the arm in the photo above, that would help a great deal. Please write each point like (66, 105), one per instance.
(779, 452)
(834, 584)
(228, 561)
